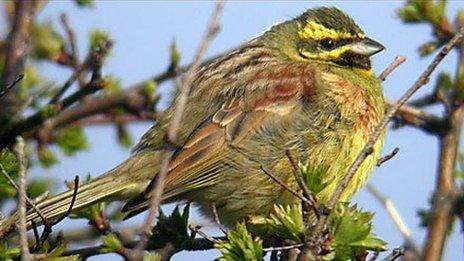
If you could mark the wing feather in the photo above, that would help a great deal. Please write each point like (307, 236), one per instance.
(200, 160)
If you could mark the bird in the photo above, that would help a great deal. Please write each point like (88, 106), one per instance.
(305, 86)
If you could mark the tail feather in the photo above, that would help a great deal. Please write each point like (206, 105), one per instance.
(125, 181)
(86, 195)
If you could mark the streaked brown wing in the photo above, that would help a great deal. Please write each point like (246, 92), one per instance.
(198, 162)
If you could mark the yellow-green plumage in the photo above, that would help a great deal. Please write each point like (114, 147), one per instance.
(305, 85)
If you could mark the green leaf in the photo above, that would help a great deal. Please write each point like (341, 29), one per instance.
(47, 158)
(240, 246)
(71, 140)
(284, 221)
(56, 253)
(38, 187)
(96, 38)
(10, 165)
(9, 254)
(174, 56)
(94, 212)
(152, 256)
(410, 13)
(352, 232)
(417, 11)
(31, 80)
(50, 110)
(112, 85)
(124, 138)
(315, 178)
(370, 243)
(111, 244)
(172, 229)
(428, 48)
(85, 3)
(149, 88)
(444, 82)
(46, 42)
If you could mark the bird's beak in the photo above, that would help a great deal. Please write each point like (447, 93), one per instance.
(366, 47)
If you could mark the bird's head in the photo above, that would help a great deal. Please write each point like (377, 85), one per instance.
(326, 35)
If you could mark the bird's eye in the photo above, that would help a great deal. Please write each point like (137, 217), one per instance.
(327, 44)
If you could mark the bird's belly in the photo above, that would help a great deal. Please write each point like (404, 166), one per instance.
(335, 156)
(245, 191)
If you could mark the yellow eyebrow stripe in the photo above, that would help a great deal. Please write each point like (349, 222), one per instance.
(326, 55)
(316, 31)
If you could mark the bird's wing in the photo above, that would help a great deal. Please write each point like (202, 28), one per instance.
(197, 163)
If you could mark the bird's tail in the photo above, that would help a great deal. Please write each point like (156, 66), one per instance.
(113, 185)
(85, 195)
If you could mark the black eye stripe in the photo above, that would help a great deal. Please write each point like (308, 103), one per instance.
(327, 44)
(330, 44)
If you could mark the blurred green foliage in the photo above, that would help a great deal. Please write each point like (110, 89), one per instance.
(240, 245)
(47, 43)
(85, 3)
(172, 229)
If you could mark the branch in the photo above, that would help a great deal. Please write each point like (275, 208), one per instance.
(423, 101)
(368, 148)
(397, 62)
(396, 218)
(199, 244)
(17, 45)
(307, 193)
(47, 226)
(20, 192)
(11, 85)
(395, 254)
(74, 55)
(388, 157)
(197, 230)
(39, 117)
(22, 175)
(409, 115)
(133, 97)
(285, 186)
(101, 119)
(417, 118)
(179, 107)
(270, 249)
(446, 193)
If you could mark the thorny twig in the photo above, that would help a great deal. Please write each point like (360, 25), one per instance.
(374, 256)
(48, 226)
(368, 148)
(202, 234)
(36, 235)
(397, 62)
(29, 201)
(388, 157)
(216, 218)
(269, 249)
(71, 37)
(307, 193)
(11, 85)
(155, 199)
(395, 254)
(285, 186)
(22, 176)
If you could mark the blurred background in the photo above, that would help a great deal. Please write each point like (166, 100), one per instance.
(143, 32)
